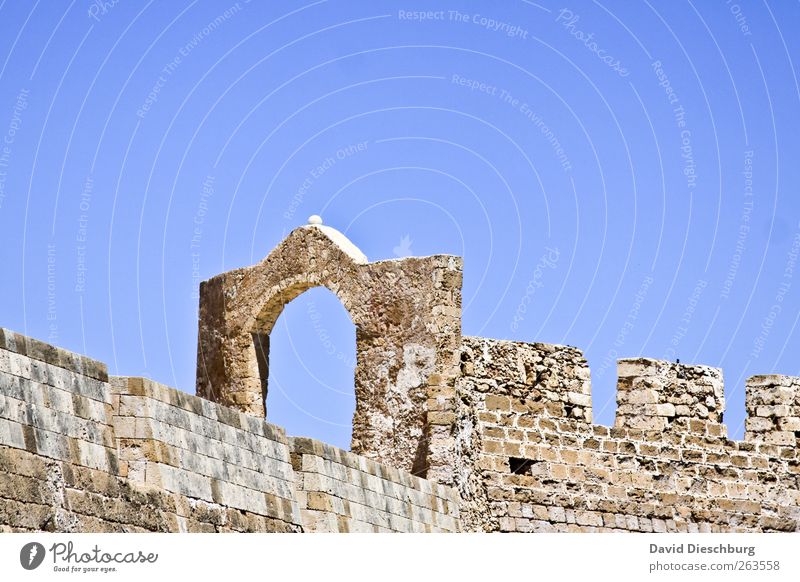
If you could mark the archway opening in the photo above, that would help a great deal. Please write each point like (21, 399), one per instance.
(309, 362)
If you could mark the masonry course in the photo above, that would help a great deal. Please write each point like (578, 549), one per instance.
(451, 433)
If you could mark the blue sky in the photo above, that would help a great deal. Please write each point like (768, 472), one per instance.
(618, 176)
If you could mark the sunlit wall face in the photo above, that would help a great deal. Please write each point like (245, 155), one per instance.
(618, 176)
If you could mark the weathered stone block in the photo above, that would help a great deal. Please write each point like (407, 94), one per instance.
(773, 411)
(494, 402)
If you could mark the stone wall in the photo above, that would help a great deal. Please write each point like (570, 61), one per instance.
(653, 394)
(218, 456)
(530, 460)
(80, 453)
(343, 492)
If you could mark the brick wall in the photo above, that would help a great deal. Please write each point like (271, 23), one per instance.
(81, 454)
(343, 492)
(183, 444)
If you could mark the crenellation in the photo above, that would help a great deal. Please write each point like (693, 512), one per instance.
(546, 380)
(772, 405)
(687, 476)
(654, 395)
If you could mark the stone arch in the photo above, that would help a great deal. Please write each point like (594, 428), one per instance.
(266, 314)
(407, 315)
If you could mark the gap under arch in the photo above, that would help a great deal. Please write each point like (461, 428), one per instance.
(308, 362)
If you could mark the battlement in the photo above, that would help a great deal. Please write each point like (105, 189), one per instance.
(530, 459)
(653, 396)
(772, 404)
(656, 395)
(450, 433)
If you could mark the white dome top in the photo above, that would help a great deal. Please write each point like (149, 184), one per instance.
(341, 241)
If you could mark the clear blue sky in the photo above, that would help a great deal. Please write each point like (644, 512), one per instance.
(618, 176)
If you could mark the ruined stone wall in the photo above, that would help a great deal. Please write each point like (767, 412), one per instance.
(501, 431)
(407, 315)
(80, 453)
(530, 460)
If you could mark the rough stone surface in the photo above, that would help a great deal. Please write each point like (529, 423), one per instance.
(772, 404)
(529, 461)
(449, 434)
(652, 394)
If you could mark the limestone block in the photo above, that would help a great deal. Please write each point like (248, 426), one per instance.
(773, 411)
(24, 390)
(789, 423)
(644, 397)
(92, 388)
(662, 410)
(54, 445)
(93, 455)
(781, 438)
(11, 434)
(18, 365)
(319, 522)
(65, 402)
(580, 399)
(178, 481)
(238, 497)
